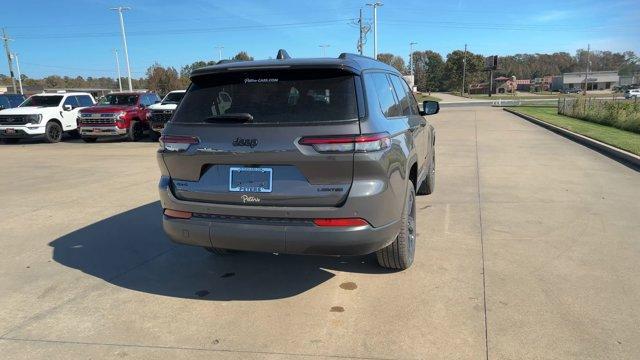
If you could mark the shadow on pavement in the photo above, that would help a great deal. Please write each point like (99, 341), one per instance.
(131, 250)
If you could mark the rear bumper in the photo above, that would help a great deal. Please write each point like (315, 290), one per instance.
(272, 229)
(296, 237)
(95, 131)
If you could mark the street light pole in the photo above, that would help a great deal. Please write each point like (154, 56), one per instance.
(411, 57)
(324, 48)
(219, 47)
(19, 74)
(375, 6)
(464, 69)
(120, 9)
(118, 67)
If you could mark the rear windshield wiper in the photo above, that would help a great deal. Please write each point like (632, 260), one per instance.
(230, 118)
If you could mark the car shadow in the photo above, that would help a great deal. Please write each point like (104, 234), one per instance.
(131, 250)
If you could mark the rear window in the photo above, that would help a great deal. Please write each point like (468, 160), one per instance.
(272, 97)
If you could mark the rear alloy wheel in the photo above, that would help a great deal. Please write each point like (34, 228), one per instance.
(89, 139)
(135, 131)
(429, 183)
(399, 254)
(218, 251)
(53, 132)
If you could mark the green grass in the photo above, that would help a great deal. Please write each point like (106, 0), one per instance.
(420, 97)
(621, 139)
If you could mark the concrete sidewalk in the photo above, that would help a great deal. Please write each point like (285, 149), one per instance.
(529, 249)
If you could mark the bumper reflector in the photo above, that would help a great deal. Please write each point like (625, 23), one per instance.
(176, 214)
(340, 222)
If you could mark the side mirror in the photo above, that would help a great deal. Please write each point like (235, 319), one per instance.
(67, 107)
(430, 107)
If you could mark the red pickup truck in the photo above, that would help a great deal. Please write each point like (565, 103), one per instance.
(117, 115)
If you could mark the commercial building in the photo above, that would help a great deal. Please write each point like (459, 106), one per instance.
(596, 80)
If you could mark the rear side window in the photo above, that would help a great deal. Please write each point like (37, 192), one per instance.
(386, 97)
(402, 91)
(84, 100)
(272, 96)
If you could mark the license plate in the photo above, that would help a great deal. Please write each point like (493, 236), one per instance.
(248, 179)
(9, 131)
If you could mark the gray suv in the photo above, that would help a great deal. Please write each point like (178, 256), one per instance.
(300, 156)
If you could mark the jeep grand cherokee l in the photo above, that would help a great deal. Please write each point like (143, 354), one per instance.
(306, 156)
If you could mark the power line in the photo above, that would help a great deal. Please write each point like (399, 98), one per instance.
(165, 32)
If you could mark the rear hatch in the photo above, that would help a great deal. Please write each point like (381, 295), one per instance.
(235, 138)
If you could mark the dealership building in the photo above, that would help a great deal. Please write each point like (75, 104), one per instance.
(596, 80)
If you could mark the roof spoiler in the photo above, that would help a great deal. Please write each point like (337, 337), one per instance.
(283, 55)
(351, 56)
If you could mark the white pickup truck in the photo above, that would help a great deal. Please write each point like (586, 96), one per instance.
(162, 111)
(46, 114)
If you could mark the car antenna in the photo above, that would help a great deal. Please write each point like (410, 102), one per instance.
(283, 54)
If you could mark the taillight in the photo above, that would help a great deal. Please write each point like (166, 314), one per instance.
(348, 143)
(340, 222)
(177, 142)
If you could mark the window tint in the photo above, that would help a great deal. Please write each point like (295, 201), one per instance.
(71, 100)
(16, 100)
(402, 93)
(84, 100)
(272, 96)
(4, 102)
(386, 97)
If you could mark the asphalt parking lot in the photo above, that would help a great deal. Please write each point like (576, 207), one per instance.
(529, 249)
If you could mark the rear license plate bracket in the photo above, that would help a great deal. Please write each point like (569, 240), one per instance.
(250, 179)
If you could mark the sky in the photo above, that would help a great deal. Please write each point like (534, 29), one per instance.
(77, 37)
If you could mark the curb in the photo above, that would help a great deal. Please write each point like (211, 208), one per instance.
(622, 156)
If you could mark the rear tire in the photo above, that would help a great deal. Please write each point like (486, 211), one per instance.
(400, 253)
(53, 132)
(218, 251)
(89, 139)
(154, 136)
(135, 131)
(429, 183)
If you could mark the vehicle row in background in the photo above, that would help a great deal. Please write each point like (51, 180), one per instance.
(120, 115)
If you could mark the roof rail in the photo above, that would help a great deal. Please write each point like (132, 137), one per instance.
(351, 56)
(283, 54)
(225, 61)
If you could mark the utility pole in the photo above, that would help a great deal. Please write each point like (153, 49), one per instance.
(586, 74)
(219, 47)
(19, 74)
(375, 6)
(411, 58)
(6, 40)
(360, 45)
(464, 69)
(118, 68)
(324, 48)
(120, 9)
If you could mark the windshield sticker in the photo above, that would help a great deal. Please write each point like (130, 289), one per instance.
(268, 80)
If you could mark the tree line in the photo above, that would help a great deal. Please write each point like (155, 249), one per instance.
(433, 72)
